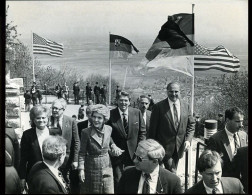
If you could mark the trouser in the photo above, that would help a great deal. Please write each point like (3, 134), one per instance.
(76, 99)
(88, 97)
(27, 107)
(171, 163)
(97, 98)
(34, 101)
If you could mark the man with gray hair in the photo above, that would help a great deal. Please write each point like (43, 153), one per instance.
(147, 177)
(44, 177)
(66, 127)
(210, 167)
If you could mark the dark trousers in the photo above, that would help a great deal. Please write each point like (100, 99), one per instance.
(171, 163)
(88, 96)
(76, 98)
(34, 101)
(97, 98)
(74, 182)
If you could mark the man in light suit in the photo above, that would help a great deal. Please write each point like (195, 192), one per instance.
(147, 177)
(227, 141)
(67, 128)
(144, 103)
(172, 125)
(210, 167)
(128, 129)
(44, 177)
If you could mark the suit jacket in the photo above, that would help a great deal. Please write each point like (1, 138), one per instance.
(163, 130)
(220, 143)
(82, 125)
(42, 181)
(168, 183)
(136, 132)
(229, 185)
(70, 133)
(148, 115)
(30, 152)
(240, 165)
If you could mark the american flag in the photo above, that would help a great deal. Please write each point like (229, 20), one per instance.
(218, 58)
(45, 46)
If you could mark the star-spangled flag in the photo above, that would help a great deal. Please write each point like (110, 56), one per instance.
(173, 47)
(121, 47)
(44, 46)
(218, 58)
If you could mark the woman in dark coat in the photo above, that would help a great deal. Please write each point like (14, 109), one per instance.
(95, 170)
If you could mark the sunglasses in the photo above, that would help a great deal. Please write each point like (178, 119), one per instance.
(140, 159)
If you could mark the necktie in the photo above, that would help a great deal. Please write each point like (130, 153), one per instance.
(125, 123)
(214, 191)
(175, 116)
(237, 145)
(146, 185)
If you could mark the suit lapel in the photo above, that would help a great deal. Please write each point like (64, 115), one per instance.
(95, 136)
(202, 188)
(242, 139)
(161, 183)
(36, 143)
(226, 143)
(119, 123)
(183, 115)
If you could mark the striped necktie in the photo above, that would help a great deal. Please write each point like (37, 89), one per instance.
(146, 185)
(125, 123)
(176, 123)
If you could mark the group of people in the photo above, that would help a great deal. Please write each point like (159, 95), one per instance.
(62, 91)
(128, 150)
(34, 96)
(98, 95)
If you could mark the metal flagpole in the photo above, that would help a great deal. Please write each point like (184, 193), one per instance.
(125, 77)
(33, 75)
(109, 73)
(192, 98)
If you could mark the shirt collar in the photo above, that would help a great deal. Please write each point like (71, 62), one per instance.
(210, 190)
(229, 134)
(45, 131)
(154, 173)
(171, 102)
(126, 112)
(53, 169)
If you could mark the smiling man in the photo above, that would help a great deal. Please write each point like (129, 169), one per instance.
(147, 177)
(172, 125)
(128, 129)
(210, 167)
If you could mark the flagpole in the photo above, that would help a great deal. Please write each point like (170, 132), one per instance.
(109, 73)
(125, 77)
(192, 104)
(33, 75)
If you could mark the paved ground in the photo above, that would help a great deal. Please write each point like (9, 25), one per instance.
(73, 109)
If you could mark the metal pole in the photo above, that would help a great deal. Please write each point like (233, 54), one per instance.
(109, 73)
(125, 77)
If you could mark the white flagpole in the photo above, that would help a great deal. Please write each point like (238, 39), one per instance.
(125, 77)
(33, 75)
(192, 98)
(109, 73)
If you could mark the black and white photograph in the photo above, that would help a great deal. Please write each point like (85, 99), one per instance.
(126, 97)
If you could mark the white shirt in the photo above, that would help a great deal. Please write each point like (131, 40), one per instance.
(177, 104)
(126, 113)
(61, 121)
(55, 173)
(152, 182)
(231, 140)
(219, 189)
(42, 135)
(144, 117)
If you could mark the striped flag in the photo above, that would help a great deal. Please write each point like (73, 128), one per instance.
(121, 47)
(45, 46)
(218, 58)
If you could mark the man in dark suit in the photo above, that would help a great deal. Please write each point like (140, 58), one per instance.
(172, 125)
(87, 123)
(147, 177)
(210, 167)
(128, 129)
(240, 165)
(67, 128)
(97, 93)
(144, 103)
(44, 177)
(228, 140)
(76, 92)
(88, 92)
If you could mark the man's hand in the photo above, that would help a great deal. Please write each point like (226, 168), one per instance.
(81, 175)
(74, 165)
(187, 145)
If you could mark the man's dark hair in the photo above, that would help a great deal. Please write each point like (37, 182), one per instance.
(144, 96)
(172, 83)
(208, 159)
(229, 113)
(124, 93)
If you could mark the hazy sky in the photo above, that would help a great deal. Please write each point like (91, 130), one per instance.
(216, 21)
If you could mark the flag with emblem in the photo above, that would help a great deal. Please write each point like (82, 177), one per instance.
(45, 46)
(218, 58)
(121, 47)
(173, 47)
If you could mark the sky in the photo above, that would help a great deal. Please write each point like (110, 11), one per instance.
(215, 20)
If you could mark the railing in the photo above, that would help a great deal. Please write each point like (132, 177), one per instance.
(197, 156)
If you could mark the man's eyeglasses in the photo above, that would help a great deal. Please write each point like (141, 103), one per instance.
(140, 159)
(55, 108)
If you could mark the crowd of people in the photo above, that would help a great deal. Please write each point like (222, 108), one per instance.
(125, 150)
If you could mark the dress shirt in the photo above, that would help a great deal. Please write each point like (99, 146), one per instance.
(231, 140)
(42, 135)
(61, 121)
(219, 189)
(152, 182)
(144, 117)
(126, 114)
(55, 173)
(177, 104)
